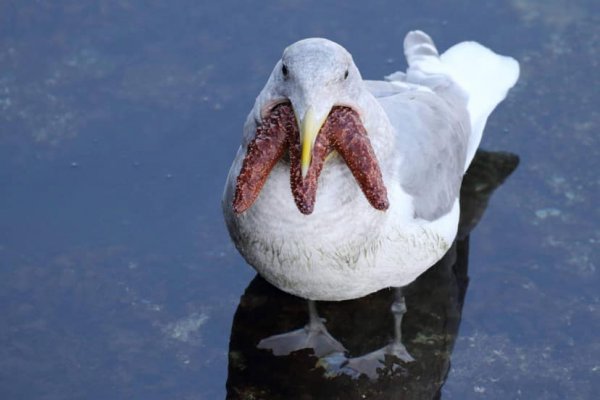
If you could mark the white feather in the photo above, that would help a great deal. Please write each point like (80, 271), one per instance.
(486, 77)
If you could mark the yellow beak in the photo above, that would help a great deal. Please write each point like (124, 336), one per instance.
(309, 129)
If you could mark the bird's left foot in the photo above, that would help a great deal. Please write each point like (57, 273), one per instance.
(368, 364)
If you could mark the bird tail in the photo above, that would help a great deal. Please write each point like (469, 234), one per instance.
(485, 76)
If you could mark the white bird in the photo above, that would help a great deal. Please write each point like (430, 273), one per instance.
(343, 186)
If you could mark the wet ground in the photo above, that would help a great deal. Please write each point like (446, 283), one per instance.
(118, 122)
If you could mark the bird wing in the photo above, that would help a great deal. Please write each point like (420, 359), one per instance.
(427, 110)
(467, 69)
(438, 109)
(432, 138)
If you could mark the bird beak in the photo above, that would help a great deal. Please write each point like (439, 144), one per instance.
(310, 126)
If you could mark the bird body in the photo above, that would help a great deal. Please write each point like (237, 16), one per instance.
(422, 130)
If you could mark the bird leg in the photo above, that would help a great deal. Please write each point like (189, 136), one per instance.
(312, 336)
(396, 348)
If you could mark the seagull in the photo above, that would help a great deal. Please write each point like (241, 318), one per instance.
(343, 186)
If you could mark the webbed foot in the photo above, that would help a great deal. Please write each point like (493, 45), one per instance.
(313, 336)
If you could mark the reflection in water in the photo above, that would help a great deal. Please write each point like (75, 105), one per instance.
(429, 328)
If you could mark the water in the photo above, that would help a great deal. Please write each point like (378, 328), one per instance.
(118, 123)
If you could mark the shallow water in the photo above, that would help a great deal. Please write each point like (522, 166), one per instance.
(118, 122)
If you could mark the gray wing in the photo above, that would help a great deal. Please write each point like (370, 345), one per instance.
(432, 126)
(433, 134)
(381, 89)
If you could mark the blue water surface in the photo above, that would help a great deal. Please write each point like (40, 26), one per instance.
(118, 123)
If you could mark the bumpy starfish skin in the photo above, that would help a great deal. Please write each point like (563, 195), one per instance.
(267, 147)
(350, 139)
(342, 131)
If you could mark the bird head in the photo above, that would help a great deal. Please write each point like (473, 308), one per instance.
(308, 108)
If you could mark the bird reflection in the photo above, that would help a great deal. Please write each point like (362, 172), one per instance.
(363, 328)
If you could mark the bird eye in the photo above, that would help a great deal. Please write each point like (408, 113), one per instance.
(346, 74)
(284, 70)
